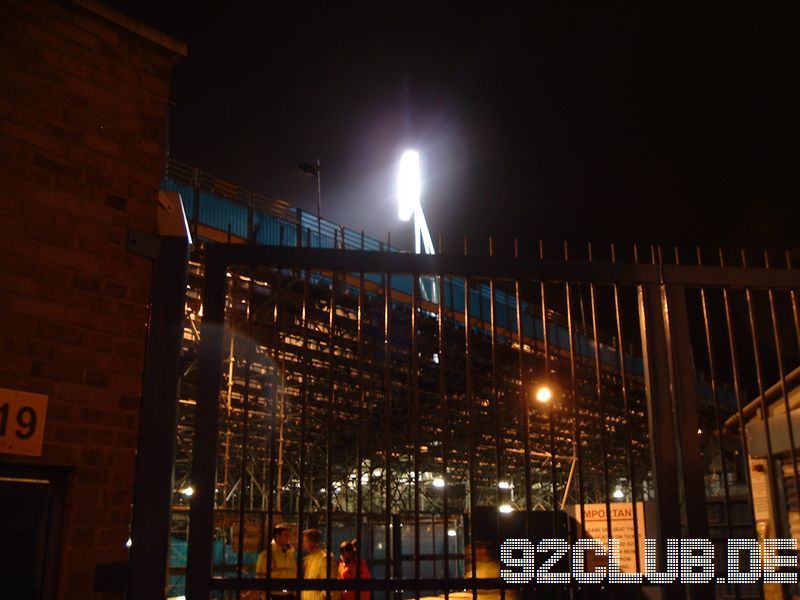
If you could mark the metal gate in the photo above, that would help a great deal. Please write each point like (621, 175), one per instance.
(551, 393)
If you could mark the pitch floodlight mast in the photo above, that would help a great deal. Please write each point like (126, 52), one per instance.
(409, 190)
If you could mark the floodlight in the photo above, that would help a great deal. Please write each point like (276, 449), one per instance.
(451, 532)
(408, 185)
(438, 482)
(187, 491)
(619, 494)
(505, 508)
(504, 485)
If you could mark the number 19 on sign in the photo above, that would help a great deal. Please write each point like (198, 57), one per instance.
(22, 417)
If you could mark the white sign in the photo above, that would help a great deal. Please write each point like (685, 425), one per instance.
(596, 526)
(22, 416)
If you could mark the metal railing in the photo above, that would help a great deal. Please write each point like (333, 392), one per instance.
(326, 397)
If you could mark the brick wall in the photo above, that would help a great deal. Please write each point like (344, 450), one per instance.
(83, 105)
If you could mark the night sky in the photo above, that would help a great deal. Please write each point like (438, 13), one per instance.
(596, 124)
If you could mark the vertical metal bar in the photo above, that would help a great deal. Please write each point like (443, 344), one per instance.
(628, 414)
(299, 234)
(329, 431)
(415, 424)
(679, 354)
(445, 423)
(599, 392)
(524, 395)
(204, 447)
(773, 481)
(277, 353)
(763, 403)
(782, 379)
(387, 419)
(243, 470)
(304, 350)
(498, 444)
(659, 419)
(793, 299)
(150, 527)
(195, 202)
(360, 421)
(576, 431)
(550, 409)
(717, 416)
(738, 394)
(470, 427)
(433, 542)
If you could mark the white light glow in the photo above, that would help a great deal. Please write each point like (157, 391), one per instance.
(129, 543)
(451, 533)
(408, 185)
(504, 485)
(544, 394)
(619, 494)
(438, 482)
(187, 491)
(505, 508)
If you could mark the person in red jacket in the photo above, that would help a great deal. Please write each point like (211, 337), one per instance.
(348, 567)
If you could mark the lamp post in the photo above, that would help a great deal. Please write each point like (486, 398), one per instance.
(315, 170)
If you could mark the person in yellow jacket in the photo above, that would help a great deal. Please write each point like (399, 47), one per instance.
(316, 562)
(283, 558)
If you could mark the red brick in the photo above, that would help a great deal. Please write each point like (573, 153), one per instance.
(94, 476)
(125, 439)
(82, 537)
(72, 434)
(81, 153)
(60, 453)
(15, 364)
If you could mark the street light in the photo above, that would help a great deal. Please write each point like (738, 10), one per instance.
(544, 394)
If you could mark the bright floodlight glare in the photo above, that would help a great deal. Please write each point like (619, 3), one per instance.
(187, 491)
(544, 394)
(505, 508)
(618, 494)
(408, 185)
(128, 543)
(504, 485)
(438, 482)
(451, 532)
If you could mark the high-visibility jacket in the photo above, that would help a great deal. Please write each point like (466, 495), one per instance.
(315, 567)
(284, 566)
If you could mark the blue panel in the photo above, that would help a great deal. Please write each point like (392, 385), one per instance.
(402, 283)
(223, 214)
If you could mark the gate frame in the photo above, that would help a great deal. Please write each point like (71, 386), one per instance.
(669, 378)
